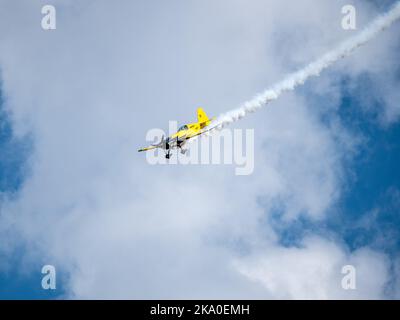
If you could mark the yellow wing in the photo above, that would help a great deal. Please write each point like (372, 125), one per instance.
(147, 149)
(201, 132)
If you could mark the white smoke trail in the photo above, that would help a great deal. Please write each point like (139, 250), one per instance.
(313, 69)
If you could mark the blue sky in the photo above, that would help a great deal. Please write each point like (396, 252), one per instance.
(69, 185)
(14, 154)
(375, 183)
(13, 170)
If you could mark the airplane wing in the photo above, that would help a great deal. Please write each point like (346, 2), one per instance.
(164, 144)
(174, 142)
(147, 149)
(200, 133)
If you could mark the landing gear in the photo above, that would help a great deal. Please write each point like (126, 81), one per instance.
(180, 144)
(167, 148)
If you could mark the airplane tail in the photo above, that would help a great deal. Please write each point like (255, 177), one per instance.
(202, 118)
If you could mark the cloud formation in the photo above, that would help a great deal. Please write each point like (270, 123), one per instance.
(88, 91)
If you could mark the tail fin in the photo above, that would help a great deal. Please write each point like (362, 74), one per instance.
(202, 117)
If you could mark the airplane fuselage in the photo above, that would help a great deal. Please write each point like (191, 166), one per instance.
(184, 133)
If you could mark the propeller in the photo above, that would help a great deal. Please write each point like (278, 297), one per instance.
(161, 143)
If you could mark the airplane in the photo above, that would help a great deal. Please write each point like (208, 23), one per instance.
(185, 132)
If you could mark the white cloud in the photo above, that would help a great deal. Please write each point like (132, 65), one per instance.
(314, 271)
(88, 92)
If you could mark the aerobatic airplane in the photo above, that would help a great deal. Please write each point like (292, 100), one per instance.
(185, 132)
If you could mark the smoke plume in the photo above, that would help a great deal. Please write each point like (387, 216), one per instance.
(313, 69)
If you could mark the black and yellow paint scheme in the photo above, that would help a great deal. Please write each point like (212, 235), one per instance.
(184, 133)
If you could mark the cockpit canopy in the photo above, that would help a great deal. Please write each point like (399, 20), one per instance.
(184, 127)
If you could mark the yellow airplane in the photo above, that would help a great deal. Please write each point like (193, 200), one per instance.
(185, 132)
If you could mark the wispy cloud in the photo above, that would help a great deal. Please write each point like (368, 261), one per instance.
(121, 229)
